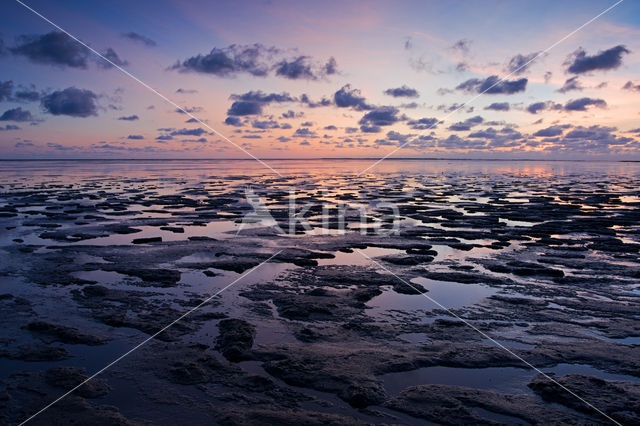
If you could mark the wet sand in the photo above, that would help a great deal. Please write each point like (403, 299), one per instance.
(494, 263)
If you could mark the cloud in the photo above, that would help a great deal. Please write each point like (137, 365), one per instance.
(266, 124)
(6, 88)
(112, 56)
(9, 127)
(550, 131)
(629, 85)
(579, 62)
(304, 132)
(404, 91)
(245, 108)
(455, 107)
(582, 103)
(462, 126)
(139, 38)
(536, 107)
(519, 64)
(188, 132)
(381, 116)
(347, 97)
(16, 114)
(570, 84)
(231, 60)
(54, 48)
(129, 118)
(493, 85)
(461, 46)
(27, 95)
(233, 121)
(330, 127)
(257, 60)
(259, 96)
(186, 91)
(71, 101)
(423, 123)
(312, 104)
(135, 137)
(498, 106)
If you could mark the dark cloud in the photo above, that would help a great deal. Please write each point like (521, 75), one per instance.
(128, 118)
(245, 108)
(330, 127)
(493, 85)
(629, 85)
(570, 84)
(582, 104)
(135, 137)
(59, 147)
(261, 97)
(189, 132)
(266, 124)
(71, 101)
(296, 69)
(257, 60)
(251, 103)
(186, 91)
(423, 123)
(233, 121)
(54, 48)
(331, 67)
(579, 62)
(454, 107)
(542, 106)
(370, 129)
(16, 114)
(347, 97)
(9, 127)
(112, 56)
(312, 104)
(519, 64)
(139, 38)
(550, 131)
(187, 110)
(498, 106)
(231, 60)
(404, 91)
(6, 89)
(26, 95)
(467, 124)
(304, 132)
(381, 116)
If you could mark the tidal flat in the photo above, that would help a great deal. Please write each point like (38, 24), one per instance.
(498, 292)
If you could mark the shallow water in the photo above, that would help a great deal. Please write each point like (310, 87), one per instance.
(540, 255)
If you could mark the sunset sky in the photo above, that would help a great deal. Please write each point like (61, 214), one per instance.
(321, 79)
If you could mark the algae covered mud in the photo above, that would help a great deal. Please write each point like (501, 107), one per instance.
(420, 292)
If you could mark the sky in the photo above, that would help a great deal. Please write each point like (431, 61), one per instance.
(301, 79)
